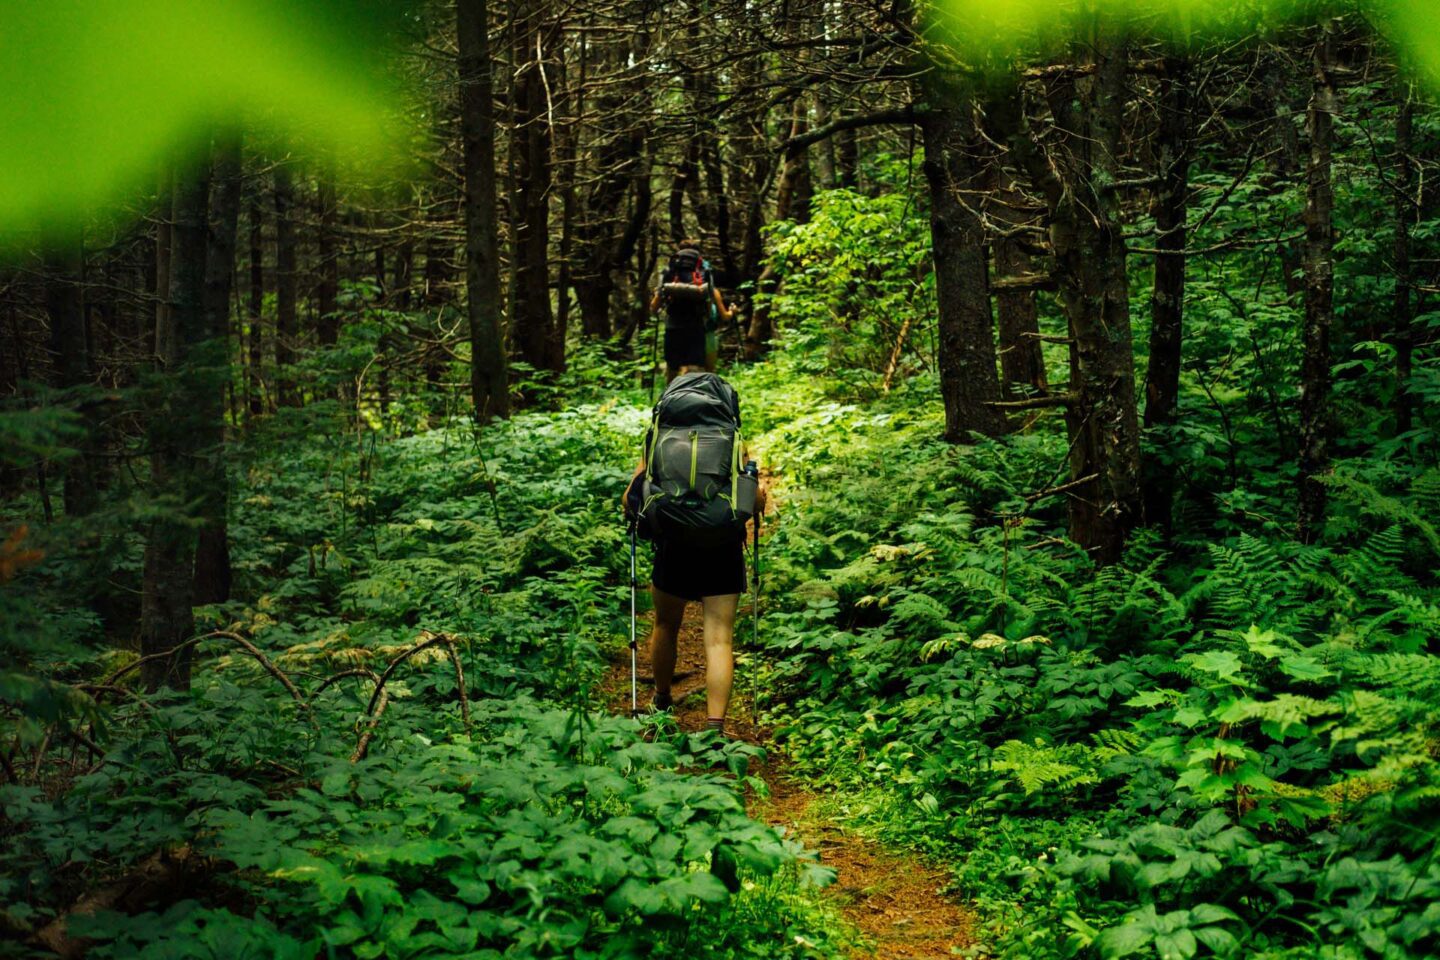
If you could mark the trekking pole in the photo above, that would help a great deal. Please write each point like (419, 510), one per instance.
(634, 689)
(755, 621)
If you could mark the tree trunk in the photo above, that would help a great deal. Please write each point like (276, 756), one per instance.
(489, 378)
(1319, 273)
(969, 385)
(163, 245)
(65, 305)
(286, 327)
(1086, 236)
(328, 324)
(167, 588)
(532, 320)
(1094, 288)
(212, 551)
(1402, 311)
(255, 309)
(792, 196)
(1022, 360)
(1167, 299)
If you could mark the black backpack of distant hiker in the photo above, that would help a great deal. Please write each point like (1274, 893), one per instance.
(685, 286)
(693, 490)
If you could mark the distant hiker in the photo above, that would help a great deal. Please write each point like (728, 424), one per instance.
(693, 309)
(692, 495)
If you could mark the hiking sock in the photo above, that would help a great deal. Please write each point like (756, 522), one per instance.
(715, 723)
(662, 701)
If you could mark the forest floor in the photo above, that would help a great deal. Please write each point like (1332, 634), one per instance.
(893, 898)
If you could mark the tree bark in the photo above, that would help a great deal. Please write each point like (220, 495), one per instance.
(69, 345)
(1402, 311)
(328, 322)
(255, 379)
(1086, 236)
(286, 326)
(1319, 274)
(1022, 359)
(489, 377)
(1167, 299)
(532, 320)
(163, 245)
(969, 384)
(212, 551)
(167, 589)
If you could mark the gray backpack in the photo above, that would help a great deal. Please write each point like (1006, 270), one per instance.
(690, 491)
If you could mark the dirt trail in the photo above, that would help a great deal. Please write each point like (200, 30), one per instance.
(892, 898)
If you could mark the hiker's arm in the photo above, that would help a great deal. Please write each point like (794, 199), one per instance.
(625, 496)
(655, 301)
(725, 312)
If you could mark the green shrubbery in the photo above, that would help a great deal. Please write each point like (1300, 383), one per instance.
(548, 829)
(1224, 745)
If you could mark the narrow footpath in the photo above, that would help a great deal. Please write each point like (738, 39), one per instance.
(893, 898)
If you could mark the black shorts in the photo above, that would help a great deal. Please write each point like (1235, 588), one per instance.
(688, 573)
(684, 345)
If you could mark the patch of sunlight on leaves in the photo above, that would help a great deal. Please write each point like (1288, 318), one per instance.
(99, 94)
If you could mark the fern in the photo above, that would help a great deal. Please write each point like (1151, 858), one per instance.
(1036, 766)
(1373, 502)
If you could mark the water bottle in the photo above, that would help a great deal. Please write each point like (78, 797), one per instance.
(747, 486)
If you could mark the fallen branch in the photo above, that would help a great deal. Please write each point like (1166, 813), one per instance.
(380, 698)
(894, 363)
(1035, 403)
(249, 648)
(150, 880)
(796, 144)
(1021, 282)
(1063, 488)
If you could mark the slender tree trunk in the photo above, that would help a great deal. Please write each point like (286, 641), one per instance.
(1090, 255)
(65, 305)
(255, 308)
(489, 378)
(969, 384)
(286, 325)
(212, 551)
(175, 437)
(684, 173)
(1086, 235)
(328, 324)
(715, 188)
(824, 150)
(792, 196)
(158, 347)
(1402, 311)
(1167, 299)
(847, 159)
(1022, 361)
(1319, 272)
(532, 319)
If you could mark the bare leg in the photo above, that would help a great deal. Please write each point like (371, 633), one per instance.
(669, 610)
(719, 661)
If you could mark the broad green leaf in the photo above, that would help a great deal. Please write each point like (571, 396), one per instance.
(99, 95)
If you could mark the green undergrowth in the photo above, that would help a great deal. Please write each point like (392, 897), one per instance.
(1224, 747)
(518, 820)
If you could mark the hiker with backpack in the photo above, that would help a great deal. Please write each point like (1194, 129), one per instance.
(692, 495)
(693, 308)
